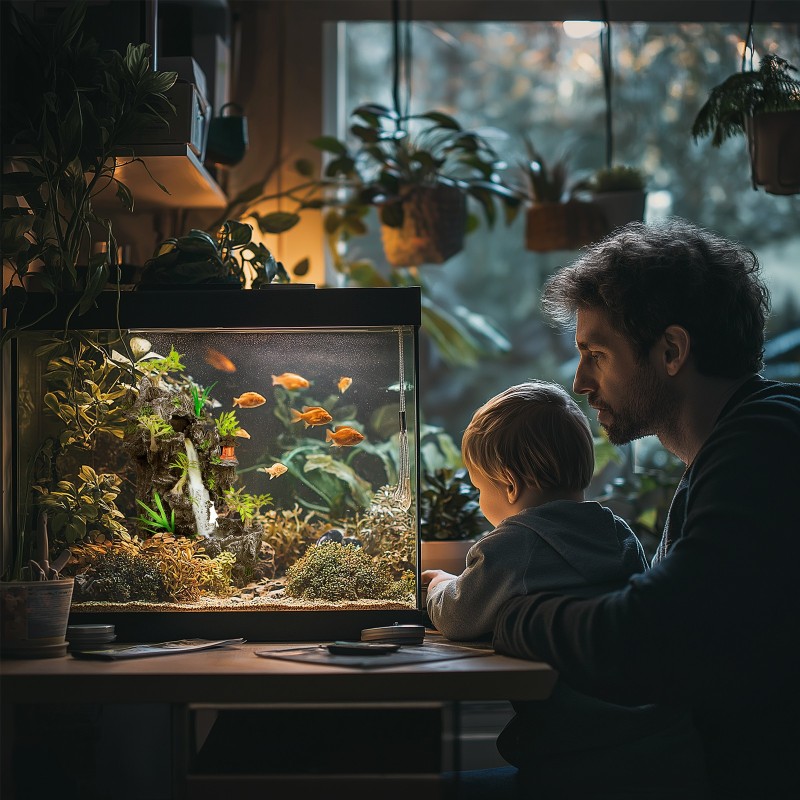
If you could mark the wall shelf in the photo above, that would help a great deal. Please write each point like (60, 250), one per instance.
(175, 166)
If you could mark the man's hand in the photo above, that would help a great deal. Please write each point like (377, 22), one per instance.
(433, 577)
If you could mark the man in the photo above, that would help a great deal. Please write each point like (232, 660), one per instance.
(670, 332)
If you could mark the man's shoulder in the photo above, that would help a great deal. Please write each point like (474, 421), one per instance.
(761, 395)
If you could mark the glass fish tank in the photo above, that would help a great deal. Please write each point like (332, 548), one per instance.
(220, 463)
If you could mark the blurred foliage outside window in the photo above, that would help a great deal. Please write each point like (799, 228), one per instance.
(513, 80)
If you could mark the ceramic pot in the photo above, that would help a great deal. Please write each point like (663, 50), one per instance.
(773, 138)
(620, 208)
(34, 618)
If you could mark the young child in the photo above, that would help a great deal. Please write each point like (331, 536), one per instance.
(529, 452)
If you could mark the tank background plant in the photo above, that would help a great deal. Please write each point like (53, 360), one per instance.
(619, 178)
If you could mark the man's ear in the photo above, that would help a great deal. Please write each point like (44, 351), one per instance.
(676, 345)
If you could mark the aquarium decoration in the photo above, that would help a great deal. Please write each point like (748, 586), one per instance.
(268, 467)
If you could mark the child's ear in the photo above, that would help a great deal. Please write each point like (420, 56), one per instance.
(512, 488)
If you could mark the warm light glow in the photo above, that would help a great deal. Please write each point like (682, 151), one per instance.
(581, 28)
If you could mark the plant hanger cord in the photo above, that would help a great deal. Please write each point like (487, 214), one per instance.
(748, 39)
(401, 58)
(605, 61)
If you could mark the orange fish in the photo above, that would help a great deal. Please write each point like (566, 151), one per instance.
(249, 400)
(344, 384)
(275, 471)
(219, 361)
(241, 432)
(290, 381)
(312, 415)
(343, 436)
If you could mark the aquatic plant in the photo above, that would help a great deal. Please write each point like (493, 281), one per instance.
(84, 390)
(337, 572)
(199, 399)
(289, 531)
(82, 508)
(156, 427)
(227, 424)
(155, 520)
(387, 530)
(186, 571)
(246, 505)
(163, 366)
(119, 576)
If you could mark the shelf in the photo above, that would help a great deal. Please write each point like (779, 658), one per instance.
(176, 167)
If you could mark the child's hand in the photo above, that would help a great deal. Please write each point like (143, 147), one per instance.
(432, 577)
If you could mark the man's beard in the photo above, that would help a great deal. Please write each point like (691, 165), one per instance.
(649, 408)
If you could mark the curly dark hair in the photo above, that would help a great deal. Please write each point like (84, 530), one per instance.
(647, 277)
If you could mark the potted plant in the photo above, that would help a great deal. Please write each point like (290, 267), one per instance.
(35, 601)
(418, 170)
(65, 124)
(764, 106)
(229, 257)
(620, 193)
(555, 219)
(450, 519)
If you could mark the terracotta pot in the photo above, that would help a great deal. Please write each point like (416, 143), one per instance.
(774, 151)
(34, 618)
(620, 208)
(433, 229)
(451, 556)
(563, 226)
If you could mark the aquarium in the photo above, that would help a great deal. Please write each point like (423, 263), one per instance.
(220, 463)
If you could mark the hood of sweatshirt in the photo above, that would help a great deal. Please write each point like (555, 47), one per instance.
(591, 538)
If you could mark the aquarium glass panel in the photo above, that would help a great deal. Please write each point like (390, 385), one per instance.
(270, 469)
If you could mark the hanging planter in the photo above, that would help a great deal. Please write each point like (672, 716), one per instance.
(563, 226)
(434, 223)
(619, 192)
(774, 145)
(764, 106)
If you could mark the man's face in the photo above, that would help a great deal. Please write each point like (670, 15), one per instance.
(631, 397)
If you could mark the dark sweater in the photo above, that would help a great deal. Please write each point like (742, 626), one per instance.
(716, 622)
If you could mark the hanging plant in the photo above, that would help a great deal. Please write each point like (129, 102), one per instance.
(555, 219)
(764, 106)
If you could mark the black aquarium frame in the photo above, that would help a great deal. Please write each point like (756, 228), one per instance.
(278, 306)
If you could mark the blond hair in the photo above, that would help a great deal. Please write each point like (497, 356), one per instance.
(534, 432)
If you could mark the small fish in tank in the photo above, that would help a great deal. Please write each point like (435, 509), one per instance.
(170, 498)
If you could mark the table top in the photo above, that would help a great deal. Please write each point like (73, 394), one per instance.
(234, 674)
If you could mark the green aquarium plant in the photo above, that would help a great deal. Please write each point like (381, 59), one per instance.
(155, 520)
(159, 367)
(227, 424)
(68, 110)
(156, 428)
(340, 572)
(227, 256)
(247, 506)
(200, 398)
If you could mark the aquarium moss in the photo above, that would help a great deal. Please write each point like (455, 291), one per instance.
(336, 572)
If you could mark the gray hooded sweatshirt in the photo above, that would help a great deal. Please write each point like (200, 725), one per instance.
(563, 546)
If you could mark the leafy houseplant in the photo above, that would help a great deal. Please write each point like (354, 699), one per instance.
(227, 257)
(555, 220)
(418, 170)
(450, 519)
(764, 106)
(68, 120)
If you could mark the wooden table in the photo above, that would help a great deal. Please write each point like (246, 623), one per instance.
(234, 677)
